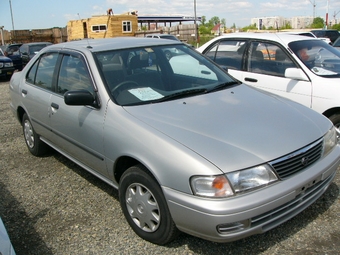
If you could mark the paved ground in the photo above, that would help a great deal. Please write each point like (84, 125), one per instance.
(51, 206)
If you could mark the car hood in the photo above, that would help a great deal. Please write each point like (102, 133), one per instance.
(5, 59)
(235, 128)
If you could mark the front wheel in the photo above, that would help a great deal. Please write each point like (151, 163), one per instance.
(144, 206)
(33, 142)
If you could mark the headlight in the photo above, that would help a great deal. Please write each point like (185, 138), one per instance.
(233, 183)
(251, 178)
(329, 141)
(9, 64)
(1, 65)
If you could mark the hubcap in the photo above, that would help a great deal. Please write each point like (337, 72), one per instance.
(142, 207)
(29, 134)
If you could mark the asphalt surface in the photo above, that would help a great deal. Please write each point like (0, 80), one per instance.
(49, 205)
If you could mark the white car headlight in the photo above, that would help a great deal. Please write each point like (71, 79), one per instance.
(233, 183)
(329, 141)
(251, 178)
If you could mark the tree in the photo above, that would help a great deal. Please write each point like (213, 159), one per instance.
(214, 20)
(203, 20)
(318, 22)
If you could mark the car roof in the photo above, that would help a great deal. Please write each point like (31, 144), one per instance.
(96, 45)
(36, 43)
(279, 37)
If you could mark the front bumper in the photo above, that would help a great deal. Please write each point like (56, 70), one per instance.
(226, 220)
(7, 71)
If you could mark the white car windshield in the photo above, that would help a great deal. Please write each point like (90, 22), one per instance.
(159, 73)
(321, 58)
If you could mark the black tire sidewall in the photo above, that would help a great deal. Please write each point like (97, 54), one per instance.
(38, 147)
(166, 230)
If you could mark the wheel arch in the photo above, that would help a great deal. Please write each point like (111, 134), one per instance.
(124, 163)
(20, 113)
(328, 113)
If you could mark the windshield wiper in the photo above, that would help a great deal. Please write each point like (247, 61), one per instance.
(223, 86)
(181, 94)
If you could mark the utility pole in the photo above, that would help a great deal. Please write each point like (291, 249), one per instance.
(10, 5)
(196, 30)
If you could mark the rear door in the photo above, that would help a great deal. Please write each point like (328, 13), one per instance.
(36, 93)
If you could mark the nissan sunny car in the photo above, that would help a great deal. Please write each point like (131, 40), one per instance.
(188, 147)
(300, 68)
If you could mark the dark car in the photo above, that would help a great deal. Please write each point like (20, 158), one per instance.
(332, 34)
(28, 50)
(6, 66)
(12, 51)
(336, 44)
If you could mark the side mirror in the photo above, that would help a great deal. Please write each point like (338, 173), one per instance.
(80, 97)
(296, 74)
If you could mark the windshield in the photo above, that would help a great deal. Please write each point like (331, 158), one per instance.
(157, 74)
(321, 58)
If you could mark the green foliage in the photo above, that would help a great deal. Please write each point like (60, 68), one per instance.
(336, 26)
(318, 22)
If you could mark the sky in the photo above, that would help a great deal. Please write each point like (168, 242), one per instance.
(37, 14)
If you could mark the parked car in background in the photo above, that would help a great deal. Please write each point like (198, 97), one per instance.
(28, 50)
(309, 34)
(336, 44)
(303, 69)
(188, 147)
(6, 66)
(163, 36)
(12, 51)
(6, 247)
(170, 51)
(332, 34)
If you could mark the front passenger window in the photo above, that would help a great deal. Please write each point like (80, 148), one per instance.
(73, 75)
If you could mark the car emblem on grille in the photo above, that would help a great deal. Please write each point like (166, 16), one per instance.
(305, 161)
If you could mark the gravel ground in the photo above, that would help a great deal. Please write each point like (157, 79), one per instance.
(51, 206)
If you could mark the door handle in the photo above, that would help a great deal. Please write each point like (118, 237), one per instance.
(55, 106)
(24, 92)
(250, 79)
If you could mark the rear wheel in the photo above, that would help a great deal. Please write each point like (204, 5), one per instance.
(144, 206)
(33, 142)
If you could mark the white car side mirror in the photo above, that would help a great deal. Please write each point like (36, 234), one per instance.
(296, 74)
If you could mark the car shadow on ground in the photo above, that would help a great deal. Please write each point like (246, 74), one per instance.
(257, 243)
(19, 226)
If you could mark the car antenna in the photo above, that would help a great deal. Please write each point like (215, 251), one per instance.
(87, 39)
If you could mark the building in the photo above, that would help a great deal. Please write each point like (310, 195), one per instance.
(102, 26)
(279, 22)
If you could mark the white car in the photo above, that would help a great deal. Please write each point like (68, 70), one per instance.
(303, 69)
(309, 34)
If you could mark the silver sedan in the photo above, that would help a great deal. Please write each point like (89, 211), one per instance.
(189, 147)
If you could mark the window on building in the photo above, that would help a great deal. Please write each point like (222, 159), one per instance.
(127, 26)
(98, 28)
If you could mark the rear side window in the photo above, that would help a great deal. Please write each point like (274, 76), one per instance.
(228, 53)
(41, 73)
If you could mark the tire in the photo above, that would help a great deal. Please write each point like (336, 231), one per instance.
(335, 118)
(32, 140)
(144, 206)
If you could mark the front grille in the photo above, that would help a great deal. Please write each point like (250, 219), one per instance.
(298, 160)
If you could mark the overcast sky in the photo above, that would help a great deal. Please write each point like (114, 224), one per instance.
(37, 14)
